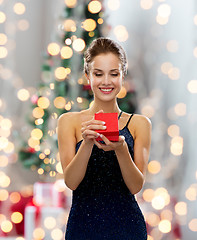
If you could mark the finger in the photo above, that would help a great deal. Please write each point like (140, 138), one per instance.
(100, 111)
(121, 138)
(96, 127)
(97, 143)
(92, 122)
(90, 132)
(106, 140)
(102, 146)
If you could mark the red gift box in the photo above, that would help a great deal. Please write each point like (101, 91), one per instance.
(111, 122)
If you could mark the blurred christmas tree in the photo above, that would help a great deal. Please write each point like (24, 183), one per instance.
(63, 87)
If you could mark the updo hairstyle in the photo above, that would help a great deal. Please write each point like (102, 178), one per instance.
(104, 45)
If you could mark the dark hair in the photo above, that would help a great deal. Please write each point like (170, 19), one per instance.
(104, 45)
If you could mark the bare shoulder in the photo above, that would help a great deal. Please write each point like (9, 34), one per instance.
(139, 124)
(70, 119)
(143, 128)
(142, 120)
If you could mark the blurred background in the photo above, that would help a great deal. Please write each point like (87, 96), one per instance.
(41, 76)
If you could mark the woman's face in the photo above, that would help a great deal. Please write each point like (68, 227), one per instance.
(105, 76)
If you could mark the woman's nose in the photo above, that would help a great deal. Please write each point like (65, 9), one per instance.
(106, 80)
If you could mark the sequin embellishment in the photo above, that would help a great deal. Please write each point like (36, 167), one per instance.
(102, 206)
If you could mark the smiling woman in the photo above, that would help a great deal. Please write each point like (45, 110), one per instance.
(104, 176)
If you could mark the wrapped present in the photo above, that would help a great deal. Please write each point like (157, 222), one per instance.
(46, 215)
(52, 194)
(111, 122)
(45, 222)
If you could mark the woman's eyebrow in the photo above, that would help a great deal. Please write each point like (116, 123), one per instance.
(115, 69)
(97, 69)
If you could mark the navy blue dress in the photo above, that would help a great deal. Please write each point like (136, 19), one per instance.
(103, 208)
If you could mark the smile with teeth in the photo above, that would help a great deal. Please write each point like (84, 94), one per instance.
(106, 90)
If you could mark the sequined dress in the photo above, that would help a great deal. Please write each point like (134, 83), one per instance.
(103, 208)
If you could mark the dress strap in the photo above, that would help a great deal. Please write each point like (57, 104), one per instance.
(129, 120)
(120, 115)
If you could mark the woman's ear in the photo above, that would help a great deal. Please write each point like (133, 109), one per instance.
(87, 77)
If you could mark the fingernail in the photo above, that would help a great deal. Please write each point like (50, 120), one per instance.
(101, 135)
(103, 122)
(98, 134)
(104, 127)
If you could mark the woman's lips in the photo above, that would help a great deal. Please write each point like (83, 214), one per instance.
(106, 90)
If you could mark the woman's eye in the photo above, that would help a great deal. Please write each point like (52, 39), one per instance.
(114, 74)
(98, 74)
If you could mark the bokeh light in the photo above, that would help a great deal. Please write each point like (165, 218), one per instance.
(164, 10)
(38, 112)
(158, 202)
(180, 109)
(16, 217)
(3, 39)
(69, 26)
(2, 17)
(172, 46)
(70, 3)
(4, 180)
(121, 33)
(39, 233)
(176, 145)
(49, 222)
(36, 133)
(6, 226)
(53, 49)
(122, 93)
(3, 195)
(165, 226)
(148, 110)
(57, 234)
(15, 197)
(59, 168)
(59, 102)
(113, 4)
(94, 6)
(68, 106)
(89, 24)
(174, 73)
(195, 19)
(148, 194)
(3, 52)
(193, 225)
(181, 208)
(152, 219)
(192, 86)
(6, 124)
(79, 44)
(154, 167)
(19, 8)
(3, 161)
(43, 102)
(66, 52)
(33, 143)
(191, 193)
(161, 20)
(166, 214)
(146, 4)
(60, 73)
(165, 67)
(195, 52)
(23, 94)
(173, 130)
(23, 25)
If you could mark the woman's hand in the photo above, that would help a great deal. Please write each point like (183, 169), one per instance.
(88, 129)
(109, 146)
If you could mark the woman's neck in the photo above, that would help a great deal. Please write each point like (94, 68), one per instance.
(107, 107)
